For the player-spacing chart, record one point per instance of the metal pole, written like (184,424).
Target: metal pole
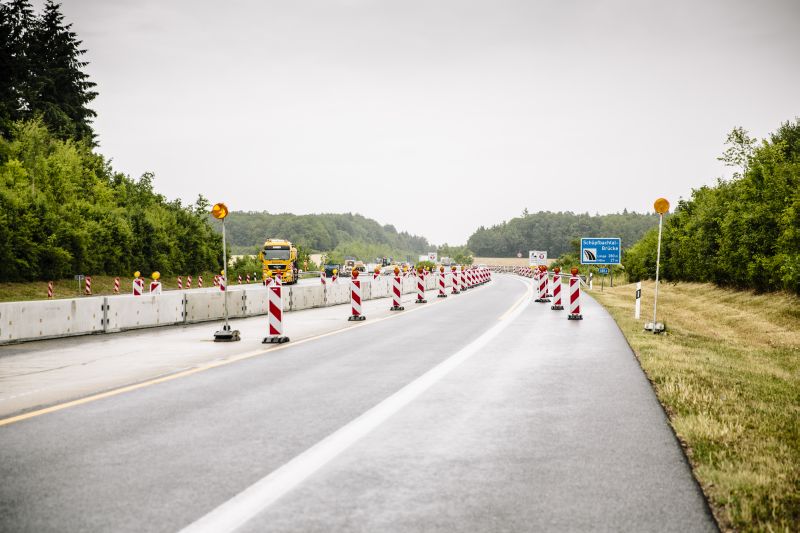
(225,273)
(658,264)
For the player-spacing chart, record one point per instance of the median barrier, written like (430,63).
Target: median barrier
(50,318)
(131,312)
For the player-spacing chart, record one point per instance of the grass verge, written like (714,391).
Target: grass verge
(728,374)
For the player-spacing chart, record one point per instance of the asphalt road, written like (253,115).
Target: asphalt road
(467,414)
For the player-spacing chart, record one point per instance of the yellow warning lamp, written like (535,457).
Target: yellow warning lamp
(557,270)
(420,270)
(155,275)
(377,270)
(137,274)
(661,206)
(354,273)
(219,211)
(574,271)
(441,269)
(221,272)
(335,271)
(427,269)
(396,271)
(453,268)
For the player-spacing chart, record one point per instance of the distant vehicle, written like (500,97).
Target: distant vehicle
(330,268)
(279,258)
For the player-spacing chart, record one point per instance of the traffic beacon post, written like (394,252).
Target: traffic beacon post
(226,334)
(661,206)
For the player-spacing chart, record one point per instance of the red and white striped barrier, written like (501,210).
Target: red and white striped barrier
(248,277)
(557,305)
(355,299)
(397,292)
(575,296)
(87,288)
(222,282)
(199,282)
(49,289)
(138,286)
(442,278)
(542,283)
(454,275)
(240,279)
(376,273)
(116,285)
(322,278)
(180,283)
(420,288)
(155,287)
(463,279)
(275,315)
(216,280)
(188,282)
(334,277)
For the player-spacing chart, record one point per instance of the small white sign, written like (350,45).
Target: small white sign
(537,257)
(432,256)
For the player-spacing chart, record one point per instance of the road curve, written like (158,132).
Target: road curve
(513,419)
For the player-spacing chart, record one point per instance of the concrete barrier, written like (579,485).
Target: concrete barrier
(24,321)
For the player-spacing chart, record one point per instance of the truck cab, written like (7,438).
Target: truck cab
(279,258)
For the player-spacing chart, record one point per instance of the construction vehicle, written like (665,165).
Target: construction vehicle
(279,258)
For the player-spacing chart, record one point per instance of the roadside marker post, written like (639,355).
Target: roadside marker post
(574,296)
(226,334)
(454,275)
(248,277)
(396,291)
(180,283)
(335,275)
(138,284)
(637,310)
(322,278)
(188,282)
(88,285)
(199,282)
(463,280)
(221,282)
(155,285)
(355,298)
(49,289)
(376,273)
(116,285)
(240,279)
(442,293)
(543,279)
(275,318)
(420,287)
(557,305)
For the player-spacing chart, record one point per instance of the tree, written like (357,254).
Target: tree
(739,151)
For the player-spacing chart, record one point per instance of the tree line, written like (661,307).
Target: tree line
(555,232)
(744,232)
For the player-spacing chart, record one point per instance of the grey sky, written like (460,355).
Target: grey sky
(435,116)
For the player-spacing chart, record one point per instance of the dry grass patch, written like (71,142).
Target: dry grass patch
(728,374)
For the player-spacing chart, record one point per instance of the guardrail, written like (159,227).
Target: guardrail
(46,319)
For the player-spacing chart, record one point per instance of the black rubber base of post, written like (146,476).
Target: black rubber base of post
(275,340)
(441,296)
(356,318)
(575,317)
(396,308)
(557,307)
(227,335)
(420,301)
(456,292)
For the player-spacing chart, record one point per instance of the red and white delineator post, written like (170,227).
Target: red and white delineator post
(222,283)
(454,276)
(116,285)
(216,280)
(575,296)
(463,280)
(49,289)
(138,285)
(334,276)
(397,291)
(442,278)
(275,315)
(155,286)
(199,282)
(322,279)
(355,298)
(420,287)
(376,273)
(87,290)
(247,278)
(188,282)
(180,283)
(240,279)
(542,284)
(557,305)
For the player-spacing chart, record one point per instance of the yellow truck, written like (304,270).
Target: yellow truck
(279,258)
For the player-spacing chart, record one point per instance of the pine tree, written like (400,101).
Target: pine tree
(16,21)
(60,91)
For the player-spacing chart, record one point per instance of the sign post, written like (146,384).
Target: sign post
(226,334)
(661,206)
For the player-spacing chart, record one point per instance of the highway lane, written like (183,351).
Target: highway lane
(549,422)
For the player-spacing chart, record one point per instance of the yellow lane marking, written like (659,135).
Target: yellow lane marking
(209,366)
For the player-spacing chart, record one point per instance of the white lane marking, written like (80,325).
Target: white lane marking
(247,504)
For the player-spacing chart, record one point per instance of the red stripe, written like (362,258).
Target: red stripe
(356,298)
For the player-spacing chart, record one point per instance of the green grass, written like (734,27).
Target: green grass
(728,374)
(101,285)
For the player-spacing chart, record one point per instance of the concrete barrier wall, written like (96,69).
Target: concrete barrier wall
(22,321)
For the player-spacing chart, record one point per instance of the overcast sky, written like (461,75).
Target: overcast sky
(435,116)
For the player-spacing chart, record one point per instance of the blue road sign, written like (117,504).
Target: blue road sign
(600,251)
(602,270)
